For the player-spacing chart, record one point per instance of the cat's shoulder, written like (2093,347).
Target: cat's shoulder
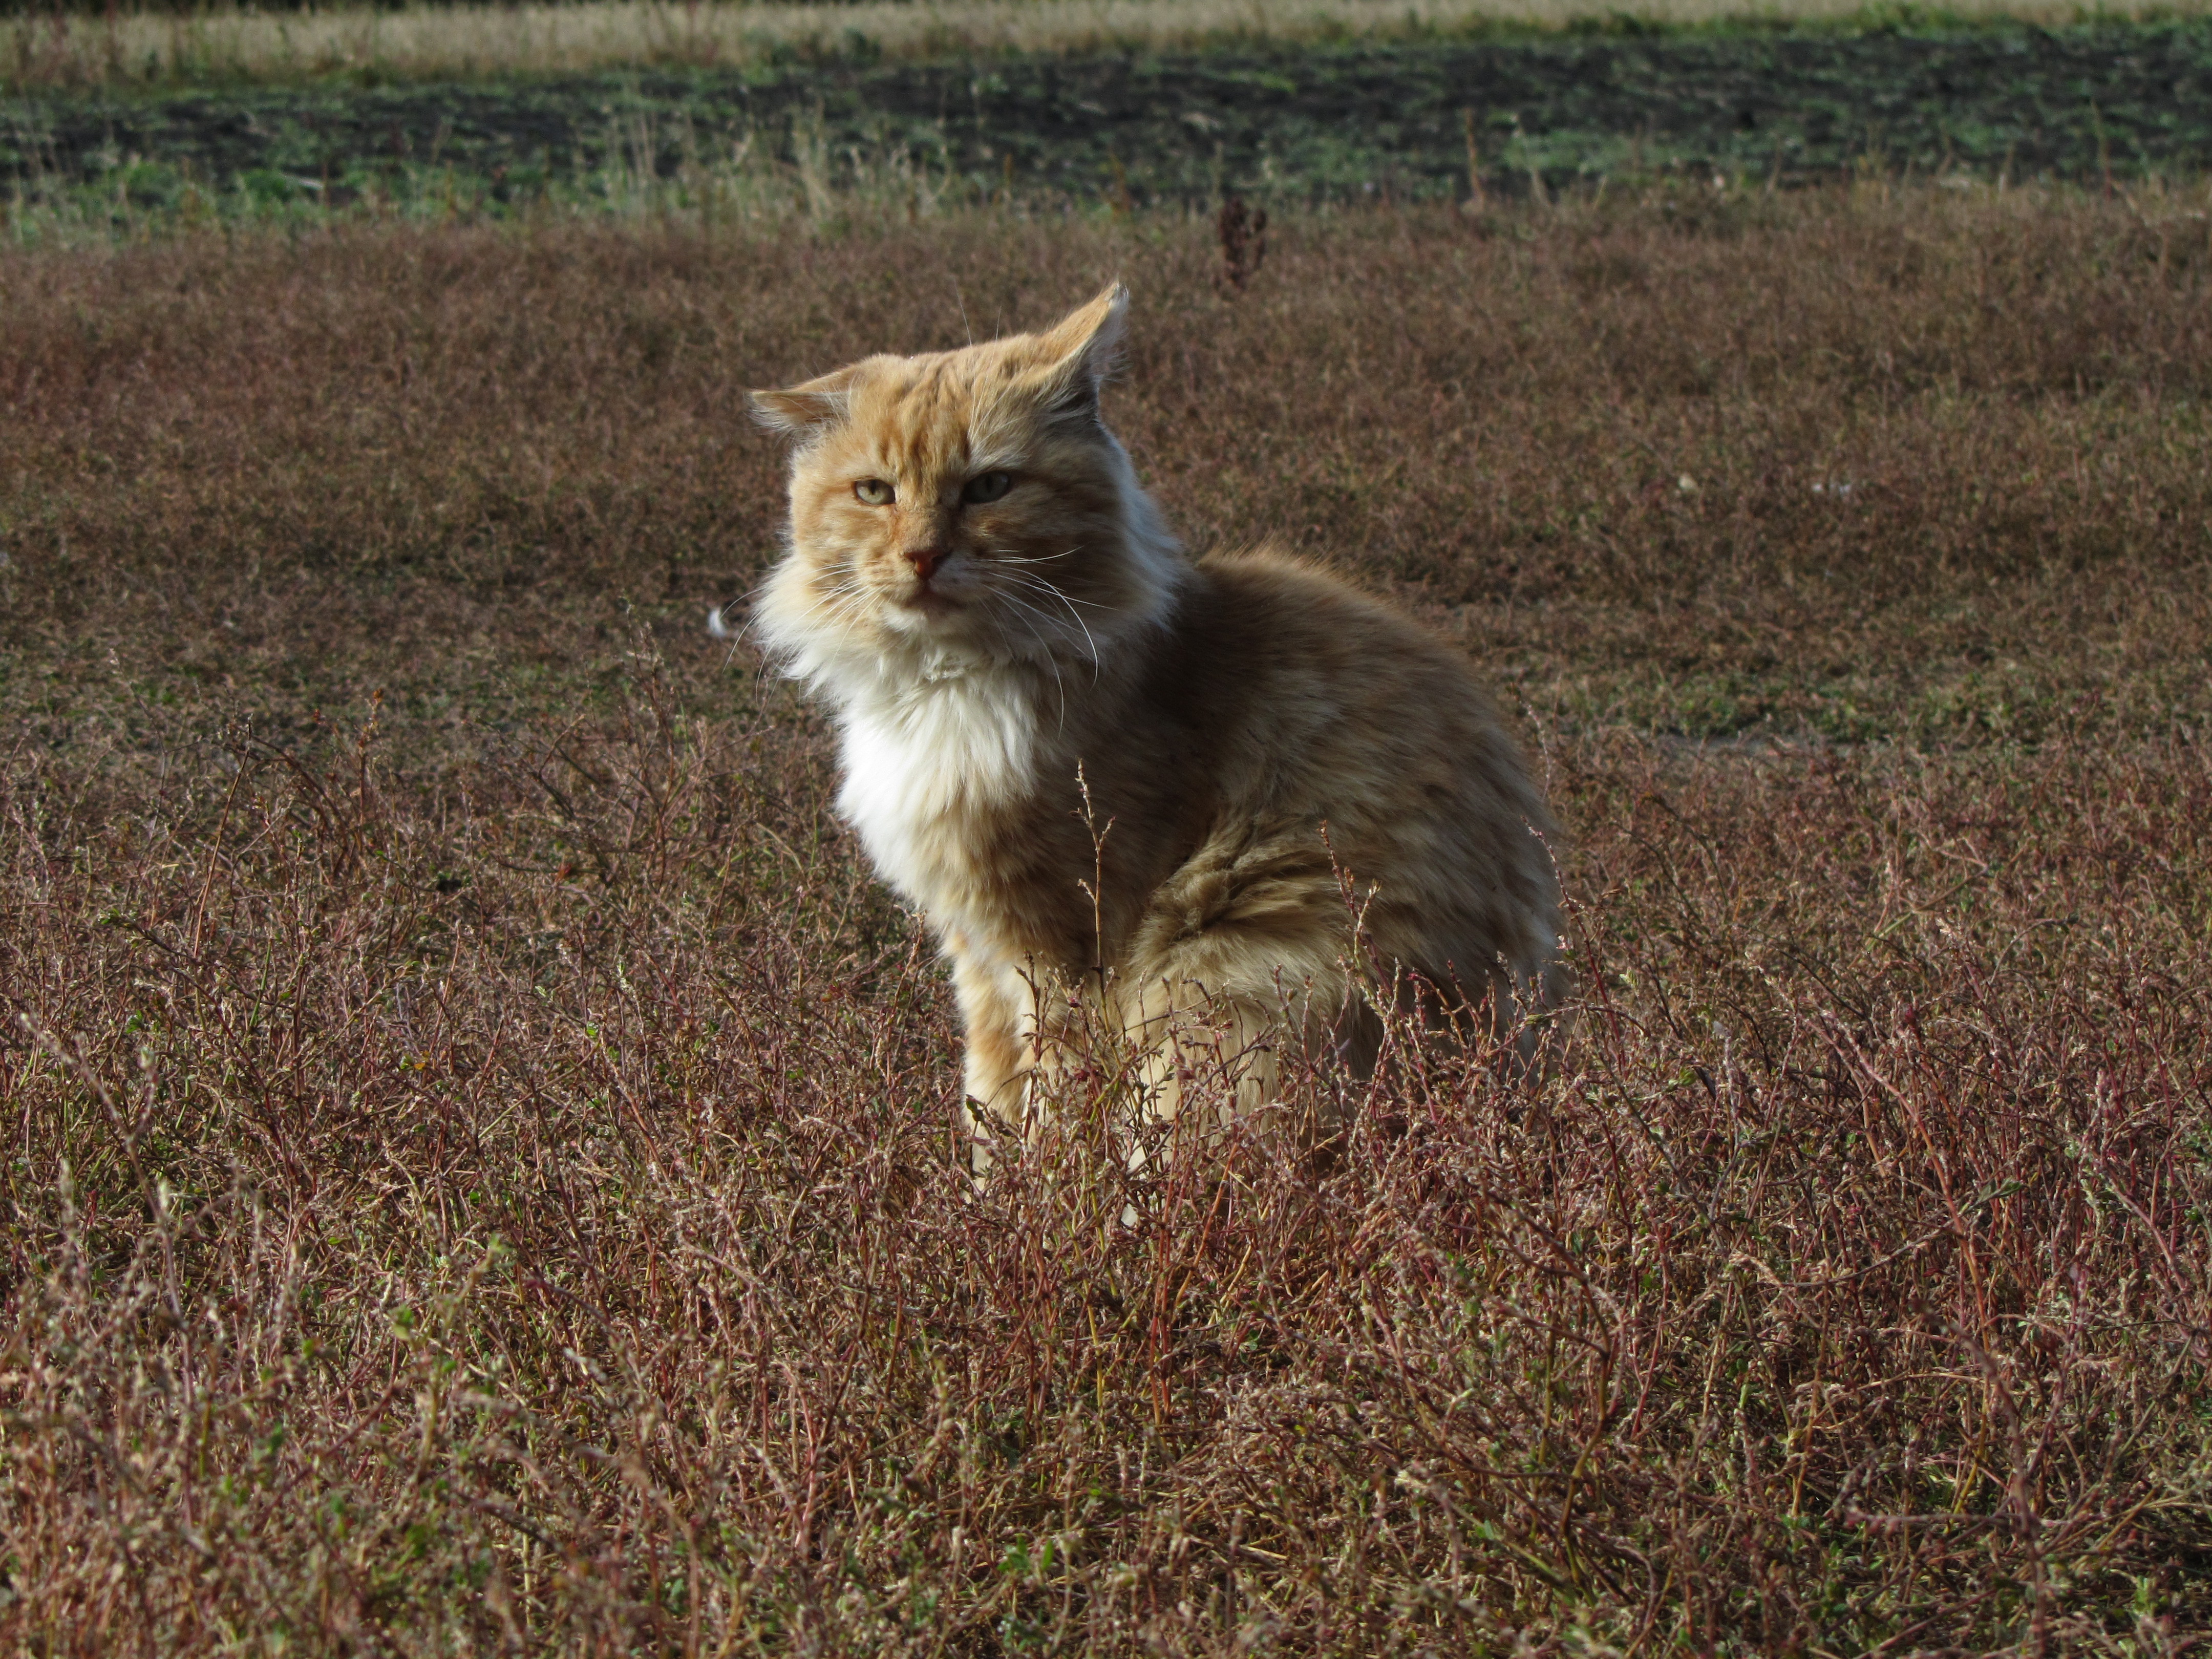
(1270,586)
(1264,566)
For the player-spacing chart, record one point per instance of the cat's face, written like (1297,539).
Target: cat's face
(969,499)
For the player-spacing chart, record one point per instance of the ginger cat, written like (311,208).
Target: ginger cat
(1001,621)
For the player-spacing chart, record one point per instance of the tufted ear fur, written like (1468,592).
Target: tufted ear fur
(1070,360)
(802,410)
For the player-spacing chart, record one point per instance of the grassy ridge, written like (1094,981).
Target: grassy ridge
(90,46)
(1285,125)
(476,1158)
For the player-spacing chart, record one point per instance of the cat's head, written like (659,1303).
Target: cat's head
(965,506)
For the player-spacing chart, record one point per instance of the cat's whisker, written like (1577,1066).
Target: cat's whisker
(1044,639)
(1051,558)
(1088,604)
(717,623)
(1039,582)
(850,589)
(1013,596)
(1060,686)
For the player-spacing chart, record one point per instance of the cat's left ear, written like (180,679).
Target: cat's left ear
(803,410)
(1078,353)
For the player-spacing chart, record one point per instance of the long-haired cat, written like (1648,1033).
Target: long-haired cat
(1120,780)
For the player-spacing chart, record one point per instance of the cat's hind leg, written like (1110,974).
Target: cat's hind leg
(1239,973)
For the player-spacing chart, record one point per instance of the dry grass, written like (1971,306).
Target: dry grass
(477,1139)
(420,40)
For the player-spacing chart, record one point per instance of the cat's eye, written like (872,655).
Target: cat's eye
(875,492)
(987,487)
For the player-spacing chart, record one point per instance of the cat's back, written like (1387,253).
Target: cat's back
(1314,703)
(1303,675)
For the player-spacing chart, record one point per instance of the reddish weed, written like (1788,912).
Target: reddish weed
(477,1158)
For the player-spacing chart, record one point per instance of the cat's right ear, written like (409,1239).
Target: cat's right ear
(1078,353)
(801,411)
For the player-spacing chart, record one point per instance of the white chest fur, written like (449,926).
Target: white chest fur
(928,764)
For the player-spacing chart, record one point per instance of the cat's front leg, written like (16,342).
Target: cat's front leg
(998,1056)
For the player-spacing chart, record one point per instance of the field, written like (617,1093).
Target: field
(476,1139)
(1435,114)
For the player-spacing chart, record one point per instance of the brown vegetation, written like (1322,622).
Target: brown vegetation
(476,1142)
(108,44)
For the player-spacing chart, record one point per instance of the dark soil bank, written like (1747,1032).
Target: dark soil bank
(1317,122)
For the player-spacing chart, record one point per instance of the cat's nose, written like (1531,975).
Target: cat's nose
(925,560)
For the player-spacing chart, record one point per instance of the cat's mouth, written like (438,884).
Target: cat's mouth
(927,601)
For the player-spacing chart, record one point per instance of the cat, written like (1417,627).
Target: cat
(1116,778)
